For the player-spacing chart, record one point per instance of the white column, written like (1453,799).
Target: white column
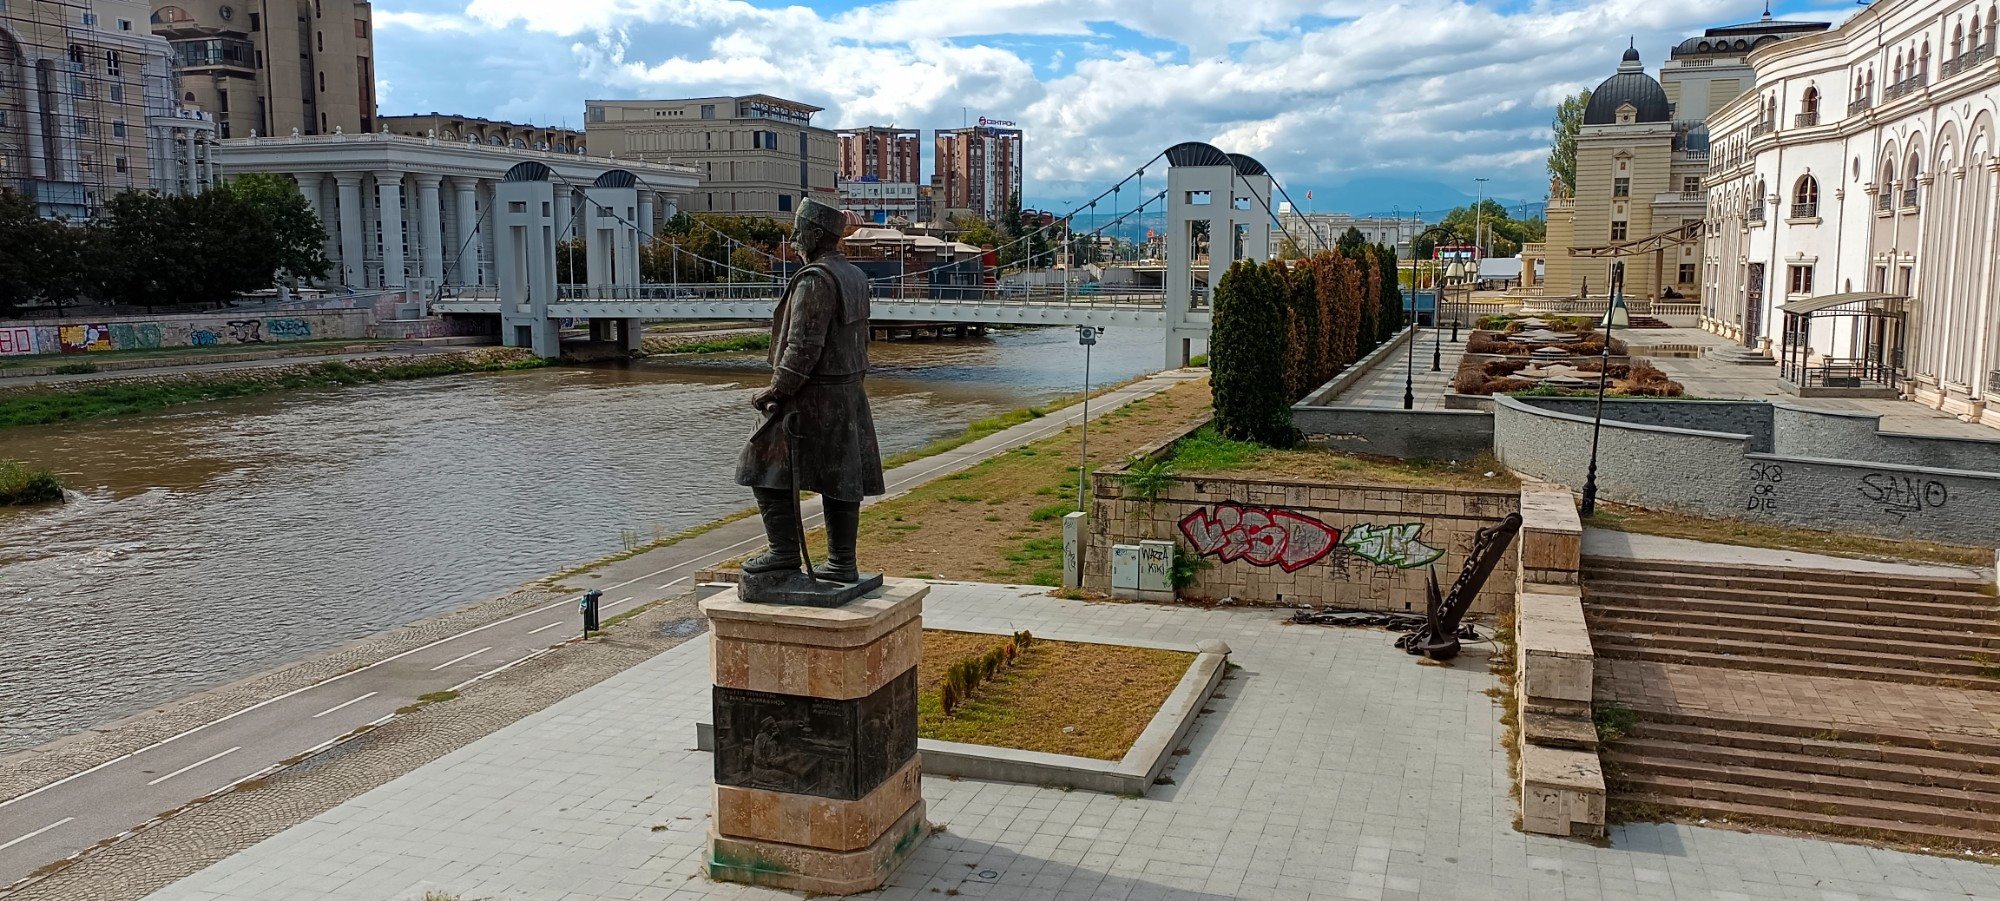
(352,249)
(389,197)
(462,247)
(645,217)
(309,187)
(170,172)
(489,238)
(429,211)
(195,164)
(38,165)
(565,213)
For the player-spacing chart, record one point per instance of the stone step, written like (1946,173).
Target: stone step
(1629,647)
(1599,595)
(1654,747)
(1797,596)
(1669,618)
(1930,645)
(1919,819)
(1977,587)
(1751,646)
(1982,805)
(1872,742)
(1938,837)
(1740,356)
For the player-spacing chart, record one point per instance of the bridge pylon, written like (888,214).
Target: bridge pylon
(1218,212)
(525,251)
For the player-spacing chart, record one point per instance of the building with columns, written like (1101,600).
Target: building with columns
(1854,207)
(398,209)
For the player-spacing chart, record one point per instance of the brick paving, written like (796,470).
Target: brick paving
(1842,704)
(1331,766)
(1383,388)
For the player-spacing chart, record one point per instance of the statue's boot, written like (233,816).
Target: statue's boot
(781,529)
(843,522)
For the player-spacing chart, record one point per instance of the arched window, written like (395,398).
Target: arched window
(1857,87)
(1885,193)
(1771,111)
(1809,107)
(1899,68)
(1757,203)
(1992,24)
(1870,92)
(495,140)
(1958,38)
(1910,171)
(1805,198)
(1924,61)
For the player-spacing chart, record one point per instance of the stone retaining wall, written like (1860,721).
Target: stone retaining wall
(1711,473)
(1562,779)
(84,336)
(1406,434)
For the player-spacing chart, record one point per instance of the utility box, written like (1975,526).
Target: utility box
(1156,571)
(1125,570)
(1074,534)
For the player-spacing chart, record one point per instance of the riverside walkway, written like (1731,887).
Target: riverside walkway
(62,799)
(1330,765)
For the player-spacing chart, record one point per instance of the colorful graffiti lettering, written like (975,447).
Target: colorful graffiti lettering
(78,339)
(1764,479)
(1395,545)
(127,336)
(202,337)
(16,341)
(247,331)
(291,329)
(1262,536)
(1901,496)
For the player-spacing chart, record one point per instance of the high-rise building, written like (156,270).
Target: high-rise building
(889,155)
(272,66)
(757,154)
(87,107)
(978,168)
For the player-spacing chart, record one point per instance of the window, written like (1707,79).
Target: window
(1687,274)
(1197,198)
(82,126)
(76,54)
(121,164)
(1805,198)
(117,93)
(322,82)
(596,114)
(361,29)
(784,203)
(256,21)
(1691,184)
(319,42)
(1621,187)
(124,24)
(89,19)
(708,111)
(111,63)
(1618,230)
(117,129)
(260,59)
(1801,279)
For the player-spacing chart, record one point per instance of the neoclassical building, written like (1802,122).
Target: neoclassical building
(399,208)
(1853,224)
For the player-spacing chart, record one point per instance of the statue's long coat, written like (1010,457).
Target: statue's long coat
(819,354)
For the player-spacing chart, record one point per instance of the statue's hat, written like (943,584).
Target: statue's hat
(826,217)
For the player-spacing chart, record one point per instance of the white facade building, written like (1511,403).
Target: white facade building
(1313,231)
(879,201)
(434,200)
(1860,179)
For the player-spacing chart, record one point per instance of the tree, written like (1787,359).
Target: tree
(572,262)
(1351,240)
(1246,354)
(299,233)
(1568,124)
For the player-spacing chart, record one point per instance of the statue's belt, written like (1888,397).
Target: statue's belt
(821,378)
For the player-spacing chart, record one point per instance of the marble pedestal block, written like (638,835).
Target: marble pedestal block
(817,783)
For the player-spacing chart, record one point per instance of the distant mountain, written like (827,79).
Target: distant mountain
(1382,195)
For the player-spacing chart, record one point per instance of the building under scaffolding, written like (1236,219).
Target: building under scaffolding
(89,108)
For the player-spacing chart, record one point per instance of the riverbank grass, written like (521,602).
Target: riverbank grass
(81,401)
(734,344)
(1058,697)
(22,485)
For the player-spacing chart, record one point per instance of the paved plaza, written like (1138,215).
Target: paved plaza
(1383,387)
(1331,766)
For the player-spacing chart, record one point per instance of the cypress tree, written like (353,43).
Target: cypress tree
(1246,356)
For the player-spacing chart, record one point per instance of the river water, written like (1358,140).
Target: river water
(207,543)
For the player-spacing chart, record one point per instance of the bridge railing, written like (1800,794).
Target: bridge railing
(1120,296)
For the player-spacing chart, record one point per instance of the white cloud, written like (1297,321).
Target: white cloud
(1321,92)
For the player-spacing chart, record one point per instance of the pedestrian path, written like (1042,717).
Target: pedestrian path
(1330,766)
(1383,387)
(1634,546)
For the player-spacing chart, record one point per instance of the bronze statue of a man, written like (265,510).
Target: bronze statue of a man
(817,434)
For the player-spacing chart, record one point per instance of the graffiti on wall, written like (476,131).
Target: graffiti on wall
(247,331)
(1265,537)
(78,339)
(1394,545)
(202,337)
(288,329)
(1764,481)
(135,336)
(16,341)
(1901,496)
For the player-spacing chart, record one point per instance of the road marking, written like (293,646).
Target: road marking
(505,666)
(615,603)
(460,659)
(547,627)
(344,704)
(35,833)
(196,764)
(671,584)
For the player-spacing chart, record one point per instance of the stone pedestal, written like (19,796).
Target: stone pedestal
(816,769)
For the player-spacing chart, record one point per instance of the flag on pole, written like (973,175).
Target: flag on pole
(1309,195)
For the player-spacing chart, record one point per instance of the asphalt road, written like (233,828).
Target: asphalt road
(68,816)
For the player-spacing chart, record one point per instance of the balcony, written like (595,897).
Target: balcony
(1762,127)
(1805,210)
(1757,213)
(1861,104)
(1805,120)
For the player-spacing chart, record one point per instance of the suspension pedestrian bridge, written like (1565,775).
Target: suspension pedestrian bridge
(1217,210)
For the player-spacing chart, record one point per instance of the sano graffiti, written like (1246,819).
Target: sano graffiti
(1395,545)
(1901,496)
(1262,536)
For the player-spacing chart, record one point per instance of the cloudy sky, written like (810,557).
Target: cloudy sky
(1366,103)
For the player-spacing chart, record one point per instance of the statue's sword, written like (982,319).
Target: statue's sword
(798,499)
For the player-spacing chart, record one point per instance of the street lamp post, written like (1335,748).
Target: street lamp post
(1087,336)
(1614,310)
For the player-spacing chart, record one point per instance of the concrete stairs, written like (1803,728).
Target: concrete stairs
(1879,717)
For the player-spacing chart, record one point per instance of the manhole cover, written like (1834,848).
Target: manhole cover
(681,628)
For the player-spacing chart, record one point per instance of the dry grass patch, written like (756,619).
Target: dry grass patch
(1320,465)
(1622,518)
(1104,694)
